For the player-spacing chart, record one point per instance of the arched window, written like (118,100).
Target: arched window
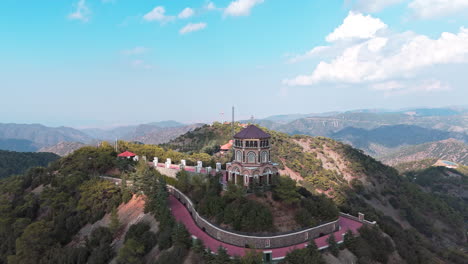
(239,156)
(264,157)
(251,157)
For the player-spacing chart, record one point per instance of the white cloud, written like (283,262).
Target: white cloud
(356,26)
(158,14)
(135,51)
(210,6)
(309,54)
(386,57)
(186,13)
(241,7)
(82,12)
(371,6)
(436,8)
(191,27)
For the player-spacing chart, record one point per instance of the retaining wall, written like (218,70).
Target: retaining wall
(259,242)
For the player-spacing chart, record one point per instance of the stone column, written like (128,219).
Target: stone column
(218,167)
(168,163)
(183,163)
(155,161)
(208,170)
(361,217)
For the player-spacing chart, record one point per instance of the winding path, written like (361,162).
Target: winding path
(181,214)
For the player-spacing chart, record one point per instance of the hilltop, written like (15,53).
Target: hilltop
(357,183)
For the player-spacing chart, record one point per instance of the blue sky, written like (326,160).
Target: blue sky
(88,63)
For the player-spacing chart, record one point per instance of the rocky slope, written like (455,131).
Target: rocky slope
(63,148)
(450,149)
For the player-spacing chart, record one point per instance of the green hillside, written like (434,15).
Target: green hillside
(47,207)
(18,162)
(359,183)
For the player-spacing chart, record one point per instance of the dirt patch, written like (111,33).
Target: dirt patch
(283,215)
(129,214)
(292,174)
(38,190)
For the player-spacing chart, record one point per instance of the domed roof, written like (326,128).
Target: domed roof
(252,132)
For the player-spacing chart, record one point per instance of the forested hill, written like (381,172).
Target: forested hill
(18,162)
(358,183)
(207,138)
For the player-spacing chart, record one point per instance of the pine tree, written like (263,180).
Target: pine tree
(332,245)
(114,224)
(181,236)
(349,241)
(221,256)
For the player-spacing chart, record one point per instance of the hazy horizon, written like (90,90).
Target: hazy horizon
(109,124)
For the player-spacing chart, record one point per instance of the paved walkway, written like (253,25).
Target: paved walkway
(181,214)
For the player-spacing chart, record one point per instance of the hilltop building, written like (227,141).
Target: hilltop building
(226,147)
(126,154)
(251,160)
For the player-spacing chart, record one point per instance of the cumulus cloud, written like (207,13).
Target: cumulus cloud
(82,12)
(191,27)
(378,59)
(356,26)
(186,13)
(241,7)
(436,8)
(158,14)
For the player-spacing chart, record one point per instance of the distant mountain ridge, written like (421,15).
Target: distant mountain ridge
(62,148)
(38,136)
(451,119)
(449,149)
(151,133)
(382,140)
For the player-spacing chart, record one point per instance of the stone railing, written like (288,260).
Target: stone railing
(259,242)
(358,219)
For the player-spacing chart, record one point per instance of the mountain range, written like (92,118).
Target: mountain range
(36,137)
(378,132)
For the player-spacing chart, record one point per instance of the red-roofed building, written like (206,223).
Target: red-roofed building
(226,147)
(126,154)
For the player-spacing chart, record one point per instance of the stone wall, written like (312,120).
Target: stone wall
(259,242)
